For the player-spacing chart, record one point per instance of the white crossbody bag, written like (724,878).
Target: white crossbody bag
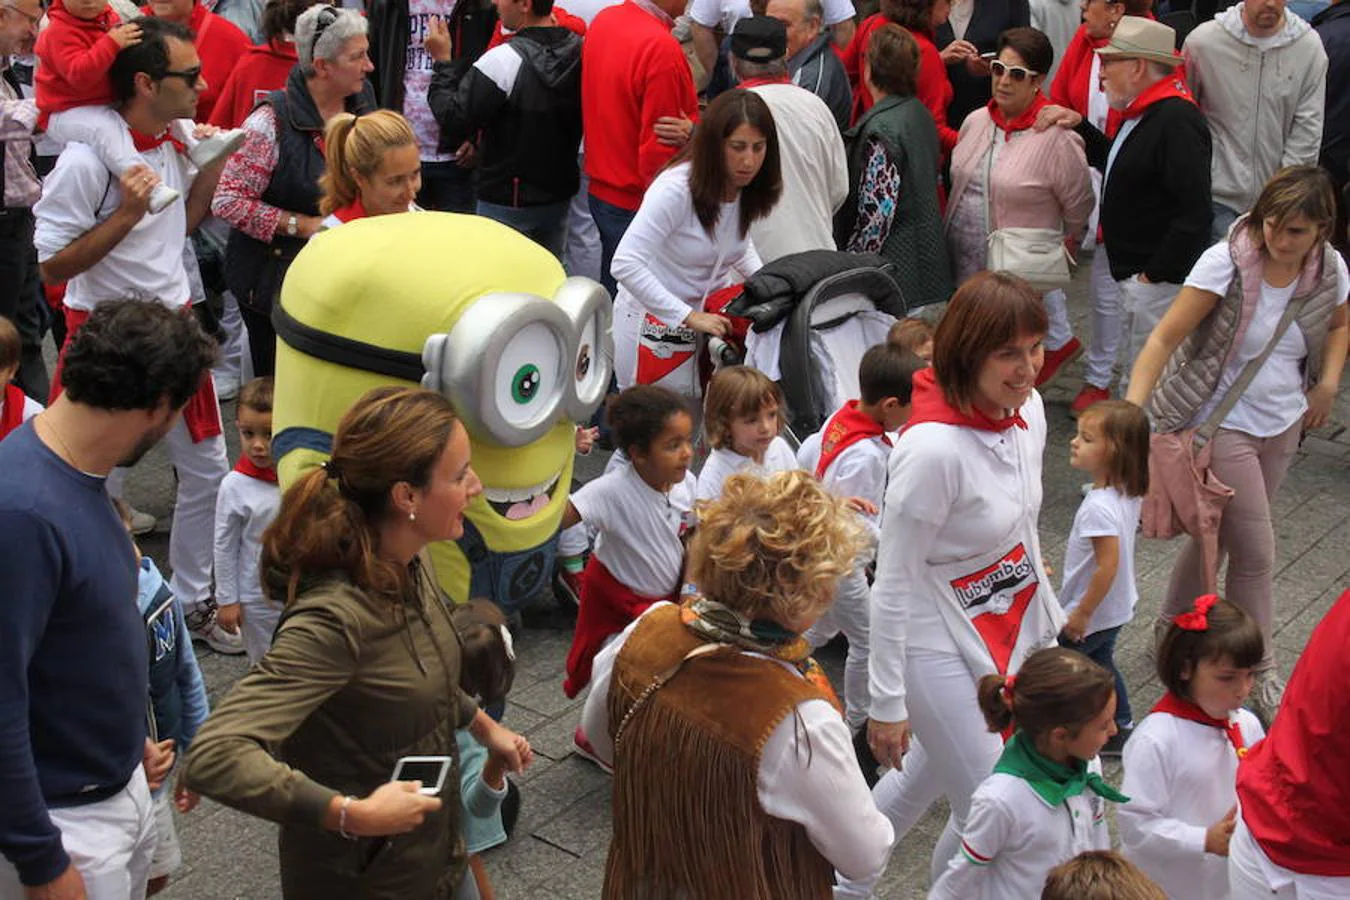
(1037,255)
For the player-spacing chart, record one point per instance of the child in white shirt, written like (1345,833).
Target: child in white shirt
(1099,592)
(641,513)
(1045,802)
(849,457)
(247,503)
(1181,764)
(742,417)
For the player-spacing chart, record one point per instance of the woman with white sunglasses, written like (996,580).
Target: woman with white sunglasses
(1007,175)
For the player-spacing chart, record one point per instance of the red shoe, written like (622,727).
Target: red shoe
(583,748)
(1056,360)
(1086,397)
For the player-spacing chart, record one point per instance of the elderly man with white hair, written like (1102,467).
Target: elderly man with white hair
(812,62)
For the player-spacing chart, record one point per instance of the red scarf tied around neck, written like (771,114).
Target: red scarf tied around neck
(246,466)
(844,429)
(1021,122)
(1171,86)
(1191,712)
(144,142)
(930,405)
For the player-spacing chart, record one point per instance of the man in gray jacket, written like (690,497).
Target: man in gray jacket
(1258,72)
(811,60)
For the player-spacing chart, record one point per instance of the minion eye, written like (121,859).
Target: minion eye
(588,306)
(525,384)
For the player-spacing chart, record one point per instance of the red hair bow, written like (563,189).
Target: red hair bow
(1198,618)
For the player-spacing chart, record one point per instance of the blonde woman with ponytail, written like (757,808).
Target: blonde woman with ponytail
(373,167)
(364,667)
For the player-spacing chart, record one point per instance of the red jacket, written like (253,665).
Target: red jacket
(934,88)
(220,44)
(1294,787)
(561,17)
(632,73)
(74,56)
(263,69)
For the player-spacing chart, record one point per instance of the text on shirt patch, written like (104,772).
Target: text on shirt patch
(996,598)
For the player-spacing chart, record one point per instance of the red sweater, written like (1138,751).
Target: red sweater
(220,44)
(1294,787)
(934,89)
(263,69)
(74,56)
(632,73)
(562,17)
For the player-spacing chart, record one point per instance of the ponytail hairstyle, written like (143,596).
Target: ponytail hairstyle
(357,145)
(330,518)
(1126,431)
(1213,630)
(1055,688)
(488,654)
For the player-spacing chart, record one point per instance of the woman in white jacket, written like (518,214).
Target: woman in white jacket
(690,235)
(960,590)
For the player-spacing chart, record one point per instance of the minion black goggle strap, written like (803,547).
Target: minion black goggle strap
(513,365)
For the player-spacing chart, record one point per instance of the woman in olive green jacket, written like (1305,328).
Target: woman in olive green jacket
(363,669)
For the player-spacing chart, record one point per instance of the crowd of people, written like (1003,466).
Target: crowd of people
(163,168)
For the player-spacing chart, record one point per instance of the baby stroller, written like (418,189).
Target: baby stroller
(813,315)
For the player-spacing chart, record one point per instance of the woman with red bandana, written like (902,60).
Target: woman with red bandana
(960,589)
(373,167)
(1005,175)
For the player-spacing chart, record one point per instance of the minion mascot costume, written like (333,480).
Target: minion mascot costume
(472,309)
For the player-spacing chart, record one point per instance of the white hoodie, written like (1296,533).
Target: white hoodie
(1264,99)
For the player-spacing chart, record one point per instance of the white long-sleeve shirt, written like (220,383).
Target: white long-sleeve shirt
(245,507)
(667,263)
(808,774)
(1181,778)
(858,471)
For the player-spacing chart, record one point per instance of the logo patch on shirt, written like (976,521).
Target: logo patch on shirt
(996,600)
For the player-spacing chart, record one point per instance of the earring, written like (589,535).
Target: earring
(412,517)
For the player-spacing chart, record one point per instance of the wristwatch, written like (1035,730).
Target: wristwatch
(292,226)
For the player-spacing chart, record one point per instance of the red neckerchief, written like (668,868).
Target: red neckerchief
(1022,122)
(146,142)
(755,82)
(1185,709)
(246,466)
(846,427)
(1171,86)
(931,406)
(353,210)
(12,416)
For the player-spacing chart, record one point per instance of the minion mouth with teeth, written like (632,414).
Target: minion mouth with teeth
(472,309)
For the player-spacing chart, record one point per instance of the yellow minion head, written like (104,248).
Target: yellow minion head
(470,308)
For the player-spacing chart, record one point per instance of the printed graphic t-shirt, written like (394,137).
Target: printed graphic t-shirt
(417,76)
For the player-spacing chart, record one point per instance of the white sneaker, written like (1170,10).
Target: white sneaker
(227,388)
(221,144)
(229,643)
(161,196)
(141,522)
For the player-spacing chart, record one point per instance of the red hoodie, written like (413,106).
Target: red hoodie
(934,88)
(633,72)
(220,44)
(561,17)
(263,69)
(74,56)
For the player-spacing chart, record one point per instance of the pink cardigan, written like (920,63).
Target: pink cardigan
(1040,180)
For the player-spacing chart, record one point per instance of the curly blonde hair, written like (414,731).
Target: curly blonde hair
(773,547)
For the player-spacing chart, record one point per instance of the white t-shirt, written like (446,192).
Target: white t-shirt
(147,264)
(1104,512)
(1013,838)
(711,13)
(1274,400)
(725,462)
(1181,778)
(808,774)
(245,507)
(639,528)
(417,76)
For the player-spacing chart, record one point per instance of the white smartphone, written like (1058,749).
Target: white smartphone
(989,55)
(430,770)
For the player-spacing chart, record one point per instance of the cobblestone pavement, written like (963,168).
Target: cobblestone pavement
(558,850)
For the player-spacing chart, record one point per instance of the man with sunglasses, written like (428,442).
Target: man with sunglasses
(93,233)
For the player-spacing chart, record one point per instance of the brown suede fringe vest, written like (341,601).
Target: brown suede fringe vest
(687,820)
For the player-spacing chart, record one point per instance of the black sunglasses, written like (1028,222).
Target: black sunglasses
(1018,73)
(189,76)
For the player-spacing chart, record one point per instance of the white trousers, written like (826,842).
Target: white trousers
(1104,345)
(850,613)
(582,256)
(952,753)
(1253,876)
(199,468)
(110,843)
(260,622)
(1057,308)
(1142,307)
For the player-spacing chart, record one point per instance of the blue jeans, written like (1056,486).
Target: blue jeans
(545,225)
(1224,217)
(1100,647)
(611,221)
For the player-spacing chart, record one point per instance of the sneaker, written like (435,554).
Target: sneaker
(142,523)
(1115,745)
(1056,360)
(203,627)
(1266,696)
(222,143)
(161,196)
(582,746)
(1089,395)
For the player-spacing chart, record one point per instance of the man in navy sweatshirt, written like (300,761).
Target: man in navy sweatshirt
(76,818)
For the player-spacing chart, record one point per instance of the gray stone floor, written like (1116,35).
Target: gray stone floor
(558,850)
